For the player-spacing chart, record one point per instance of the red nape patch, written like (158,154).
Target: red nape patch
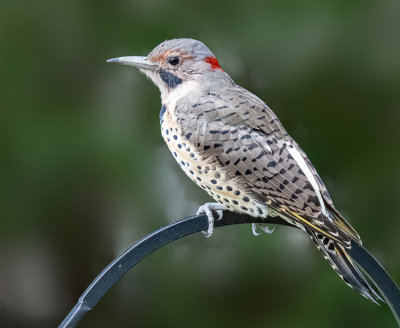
(214,63)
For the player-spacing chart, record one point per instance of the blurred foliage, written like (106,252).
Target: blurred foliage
(84,172)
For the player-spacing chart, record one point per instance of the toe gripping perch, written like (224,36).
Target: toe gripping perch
(163,236)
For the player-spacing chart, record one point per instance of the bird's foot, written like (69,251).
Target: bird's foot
(208,209)
(263,227)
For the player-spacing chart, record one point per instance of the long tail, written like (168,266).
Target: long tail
(341,262)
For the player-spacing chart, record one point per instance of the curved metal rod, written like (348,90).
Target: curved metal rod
(124,262)
(382,280)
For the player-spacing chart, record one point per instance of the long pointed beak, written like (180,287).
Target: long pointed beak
(137,61)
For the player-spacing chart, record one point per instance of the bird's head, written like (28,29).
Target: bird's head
(177,63)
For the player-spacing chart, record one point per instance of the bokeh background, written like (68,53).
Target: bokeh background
(84,172)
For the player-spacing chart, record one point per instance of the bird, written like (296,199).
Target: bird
(232,145)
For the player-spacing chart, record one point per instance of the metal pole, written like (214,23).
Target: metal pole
(163,236)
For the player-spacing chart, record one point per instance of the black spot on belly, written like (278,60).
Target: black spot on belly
(169,79)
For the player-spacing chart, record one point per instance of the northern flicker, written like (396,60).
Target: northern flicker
(231,144)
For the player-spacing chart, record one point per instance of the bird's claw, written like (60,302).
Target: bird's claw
(208,209)
(263,227)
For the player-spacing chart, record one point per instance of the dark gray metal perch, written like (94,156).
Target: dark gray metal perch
(124,262)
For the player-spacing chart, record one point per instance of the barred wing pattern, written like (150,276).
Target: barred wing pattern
(248,140)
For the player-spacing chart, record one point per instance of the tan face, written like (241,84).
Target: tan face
(174,62)
(170,59)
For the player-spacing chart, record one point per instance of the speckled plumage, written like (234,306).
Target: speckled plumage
(231,144)
(234,132)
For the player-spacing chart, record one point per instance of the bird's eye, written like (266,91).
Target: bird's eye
(173,60)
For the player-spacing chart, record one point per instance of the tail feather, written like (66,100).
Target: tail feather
(341,262)
(341,222)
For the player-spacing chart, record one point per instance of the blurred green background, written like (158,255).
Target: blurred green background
(84,172)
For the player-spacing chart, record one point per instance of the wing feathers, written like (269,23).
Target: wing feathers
(245,136)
